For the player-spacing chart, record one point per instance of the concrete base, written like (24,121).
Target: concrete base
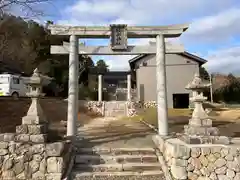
(200,161)
(205,139)
(201,130)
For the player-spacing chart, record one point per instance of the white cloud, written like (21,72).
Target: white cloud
(141,11)
(103,8)
(214,24)
(224,60)
(216,28)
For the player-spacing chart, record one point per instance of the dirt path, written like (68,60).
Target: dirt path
(111,132)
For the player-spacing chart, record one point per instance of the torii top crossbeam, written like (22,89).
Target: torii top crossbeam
(170,31)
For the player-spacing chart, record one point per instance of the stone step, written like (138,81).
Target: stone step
(112,135)
(106,129)
(115,110)
(119,107)
(145,175)
(116,151)
(133,167)
(119,115)
(106,159)
(95,126)
(111,106)
(122,114)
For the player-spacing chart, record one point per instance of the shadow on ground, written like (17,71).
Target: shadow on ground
(119,134)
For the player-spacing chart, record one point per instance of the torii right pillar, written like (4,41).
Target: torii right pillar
(162,107)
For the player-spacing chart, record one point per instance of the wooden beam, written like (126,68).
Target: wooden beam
(106,50)
(133,31)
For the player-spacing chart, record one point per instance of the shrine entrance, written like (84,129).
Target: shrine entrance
(118,35)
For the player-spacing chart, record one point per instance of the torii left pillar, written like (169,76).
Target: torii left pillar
(100,88)
(73,87)
(162,107)
(128,87)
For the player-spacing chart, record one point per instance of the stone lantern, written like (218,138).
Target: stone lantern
(197,86)
(35,83)
(199,129)
(34,124)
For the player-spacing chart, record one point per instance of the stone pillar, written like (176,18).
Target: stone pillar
(100,87)
(128,87)
(73,87)
(162,107)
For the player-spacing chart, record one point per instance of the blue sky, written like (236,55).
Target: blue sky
(214,31)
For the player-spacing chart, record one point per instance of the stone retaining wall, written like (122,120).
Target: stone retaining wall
(200,161)
(130,108)
(149,104)
(26,160)
(93,106)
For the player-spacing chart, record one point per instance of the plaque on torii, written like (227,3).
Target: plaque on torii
(118,37)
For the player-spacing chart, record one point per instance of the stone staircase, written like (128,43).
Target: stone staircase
(115,108)
(116,164)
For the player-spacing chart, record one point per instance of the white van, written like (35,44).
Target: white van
(13,85)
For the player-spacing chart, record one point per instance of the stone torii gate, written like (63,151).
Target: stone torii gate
(118,35)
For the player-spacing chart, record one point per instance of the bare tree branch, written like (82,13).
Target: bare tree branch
(27,6)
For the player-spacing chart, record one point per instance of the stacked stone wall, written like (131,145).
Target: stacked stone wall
(31,160)
(200,161)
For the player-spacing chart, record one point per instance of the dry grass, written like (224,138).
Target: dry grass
(150,115)
(226,119)
(11,114)
(231,114)
(179,112)
(217,113)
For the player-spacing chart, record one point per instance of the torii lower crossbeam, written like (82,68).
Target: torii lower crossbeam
(106,50)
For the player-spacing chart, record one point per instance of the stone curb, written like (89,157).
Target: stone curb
(113,150)
(165,169)
(70,167)
(119,167)
(149,125)
(102,174)
(161,160)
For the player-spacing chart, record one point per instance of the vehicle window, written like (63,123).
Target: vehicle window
(15,80)
(4,80)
